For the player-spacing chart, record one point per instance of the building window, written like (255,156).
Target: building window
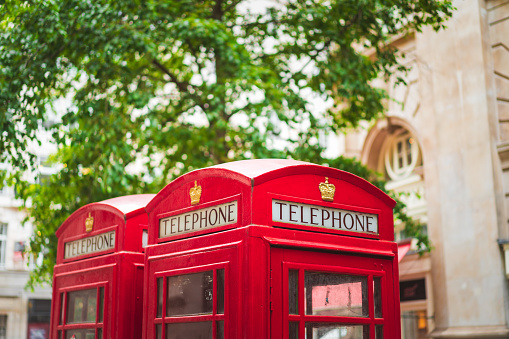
(39,311)
(414,325)
(3,244)
(402,155)
(3,326)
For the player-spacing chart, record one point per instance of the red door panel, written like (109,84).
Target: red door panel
(318,295)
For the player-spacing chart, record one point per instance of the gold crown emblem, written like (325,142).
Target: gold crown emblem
(195,194)
(89,223)
(327,190)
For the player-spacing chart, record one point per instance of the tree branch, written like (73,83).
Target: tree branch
(182,86)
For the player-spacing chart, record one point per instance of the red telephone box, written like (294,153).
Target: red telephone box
(271,249)
(98,278)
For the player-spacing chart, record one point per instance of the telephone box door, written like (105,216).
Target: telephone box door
(190,295)
(317,295)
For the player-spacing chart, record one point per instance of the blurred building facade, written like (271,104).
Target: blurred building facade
(23,313)
(445,144)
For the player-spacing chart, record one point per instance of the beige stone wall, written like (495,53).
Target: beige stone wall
(457,105)
(459,142)
(498,20)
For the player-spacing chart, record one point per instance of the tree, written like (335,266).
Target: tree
(160,87)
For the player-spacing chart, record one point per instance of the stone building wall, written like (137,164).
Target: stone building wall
(455,106)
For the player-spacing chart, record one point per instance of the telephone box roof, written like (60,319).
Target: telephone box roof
(125,207)
(255,172)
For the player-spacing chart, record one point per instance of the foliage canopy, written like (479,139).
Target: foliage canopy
(156,88)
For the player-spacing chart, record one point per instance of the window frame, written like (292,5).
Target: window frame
(393,156)
(285,259)
(302,318)
(3,244)
(214,317)
(63,304)
(3,326)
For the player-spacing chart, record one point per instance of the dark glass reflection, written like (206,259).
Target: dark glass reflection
(195,330)
(190,294)
(320,330)
(220,291)
(82,306)
(293,291)
(377,296)
(293,330)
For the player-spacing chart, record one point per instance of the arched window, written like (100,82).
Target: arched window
(402,155)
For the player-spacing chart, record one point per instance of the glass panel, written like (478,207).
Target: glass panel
(293,291)
(409,142)
(189,294)
(62,308)
(330,294)
(3,326)
(377,296)
(379,332)
(159,297)
(158,331)
(99,333)
(293,330)
(88,333)
(82,306)
(414,324)
(200,330)
(101,304)
(220,291)
(336,331)
(220,329)
(59,335)
(144,239)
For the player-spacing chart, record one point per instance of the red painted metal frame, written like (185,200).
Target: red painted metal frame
(249,251)
(118,270)
(65,290)
(214,317)
(285,259)
(250,247)
(164,262)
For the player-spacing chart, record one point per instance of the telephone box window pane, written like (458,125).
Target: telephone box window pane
(195,330)
(377,296)
(326,331)
(159,297)
(99,333)
(293,291)
(190,294)
(379,332)
(82,306)
(158,331)
(101,304)
(293,330)
(220,329)
(88,333)
(330,294)
(62,308)
(220,291)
